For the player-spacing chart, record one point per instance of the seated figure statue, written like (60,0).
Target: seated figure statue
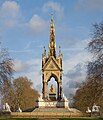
(52,89)
(6,107)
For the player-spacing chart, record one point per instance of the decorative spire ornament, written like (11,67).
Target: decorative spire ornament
(52,43)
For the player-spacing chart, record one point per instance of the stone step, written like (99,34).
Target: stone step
(51,110)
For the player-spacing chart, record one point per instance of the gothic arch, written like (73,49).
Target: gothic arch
(54,76)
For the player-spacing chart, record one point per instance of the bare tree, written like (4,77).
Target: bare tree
(20,93)
(6,70)
(91,91)
(96,43)
(96,47)
(6,66)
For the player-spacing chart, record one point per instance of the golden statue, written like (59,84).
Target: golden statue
(52,89)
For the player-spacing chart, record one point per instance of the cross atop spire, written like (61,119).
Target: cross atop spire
(52,43)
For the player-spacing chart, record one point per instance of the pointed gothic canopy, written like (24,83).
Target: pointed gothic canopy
(52,65)
(52,43)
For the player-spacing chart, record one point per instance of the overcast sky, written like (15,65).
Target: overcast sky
(24,31)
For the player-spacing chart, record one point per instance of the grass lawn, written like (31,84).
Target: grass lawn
(81,119)
(18,118)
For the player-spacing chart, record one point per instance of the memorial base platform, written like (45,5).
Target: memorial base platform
(52,104)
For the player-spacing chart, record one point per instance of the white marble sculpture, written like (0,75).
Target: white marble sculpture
(6,107)
(3,108)
(64,98)
(95,108)
(40,98)
(88,110)
(19,110)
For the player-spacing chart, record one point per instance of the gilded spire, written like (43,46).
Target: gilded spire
(52,43)
(52,34)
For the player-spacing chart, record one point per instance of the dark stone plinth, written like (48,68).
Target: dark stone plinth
(52,96)
(95,114)
(5,114)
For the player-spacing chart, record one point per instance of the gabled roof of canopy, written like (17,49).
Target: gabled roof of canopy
(51,58)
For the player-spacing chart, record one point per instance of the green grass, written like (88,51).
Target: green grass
(81,119)
(18,118)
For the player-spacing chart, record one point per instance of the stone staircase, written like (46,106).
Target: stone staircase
(51,110)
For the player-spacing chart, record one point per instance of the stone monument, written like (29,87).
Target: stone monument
(6,108)
(52,68)
(94,111)
(19,110)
